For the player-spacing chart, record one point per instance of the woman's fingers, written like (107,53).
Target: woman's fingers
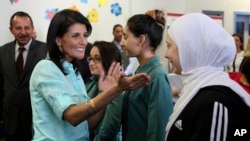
(134,82)
(116,71)
(101,71)
(139,81)
(112,68)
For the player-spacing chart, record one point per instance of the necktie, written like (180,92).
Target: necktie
(19,62)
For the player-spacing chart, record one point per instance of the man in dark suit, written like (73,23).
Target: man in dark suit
(14,88)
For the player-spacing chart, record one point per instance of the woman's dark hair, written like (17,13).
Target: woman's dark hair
(245,68)
(241,39)
(57,28)
(150,24)
(108,53)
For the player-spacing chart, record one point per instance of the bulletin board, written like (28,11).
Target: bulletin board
(172,16)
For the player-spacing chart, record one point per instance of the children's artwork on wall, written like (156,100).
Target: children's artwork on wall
(116,9)
(99,12)
(84,1)
(102,2)
(13,1)
(49,14)
(102,14)
(93,15)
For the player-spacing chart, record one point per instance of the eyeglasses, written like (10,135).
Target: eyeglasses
(95,59)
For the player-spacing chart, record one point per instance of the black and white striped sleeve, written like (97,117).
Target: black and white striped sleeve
(219,125)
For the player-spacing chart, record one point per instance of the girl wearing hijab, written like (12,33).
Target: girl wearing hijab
(211,105)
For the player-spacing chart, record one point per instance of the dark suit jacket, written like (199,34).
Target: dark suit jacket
(125,58)
(17,111)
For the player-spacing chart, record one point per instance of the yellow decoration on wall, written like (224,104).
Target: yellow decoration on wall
(102,2)
(93,15)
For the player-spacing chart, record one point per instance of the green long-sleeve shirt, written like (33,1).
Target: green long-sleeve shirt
(149,108)
(110,125)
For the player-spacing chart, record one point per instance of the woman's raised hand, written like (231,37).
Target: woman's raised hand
(115,75)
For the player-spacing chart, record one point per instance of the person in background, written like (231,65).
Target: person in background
(235,64)
(17,60)
(103,54)
(244,79)
(62,110)
(245,66)
(211,105)
(146,111)
(243,76)
(1,112)
(128,63)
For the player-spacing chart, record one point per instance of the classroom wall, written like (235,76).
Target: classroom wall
(102,28)
(228,6)
(102,21)
(99,12)
(102,18)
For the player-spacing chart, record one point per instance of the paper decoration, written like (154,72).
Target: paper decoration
(14,1)
(93,15)
(116,9)
(50,13)
(102,2)
(84,1)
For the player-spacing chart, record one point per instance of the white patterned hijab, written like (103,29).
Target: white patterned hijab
(204,47)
